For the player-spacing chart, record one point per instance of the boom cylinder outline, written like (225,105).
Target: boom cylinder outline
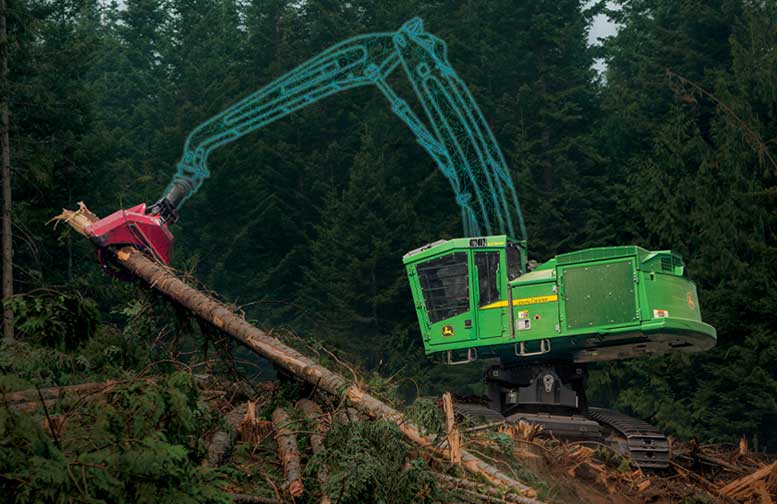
(459,139)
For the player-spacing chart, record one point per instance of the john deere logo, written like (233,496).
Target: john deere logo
(447,330)
(691,302)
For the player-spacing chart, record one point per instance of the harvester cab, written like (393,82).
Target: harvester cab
(474,297)
(460,289)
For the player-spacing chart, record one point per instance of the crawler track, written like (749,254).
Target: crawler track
(476,413)
(646,446)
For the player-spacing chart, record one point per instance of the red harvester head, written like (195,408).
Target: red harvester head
(133,226)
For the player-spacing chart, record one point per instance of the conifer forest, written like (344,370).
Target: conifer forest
(279,357)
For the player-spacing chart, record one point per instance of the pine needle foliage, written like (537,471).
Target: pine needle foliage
(427,415)
(367,462)
(138,445)
(58,319)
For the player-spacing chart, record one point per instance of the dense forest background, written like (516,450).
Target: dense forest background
(304,224)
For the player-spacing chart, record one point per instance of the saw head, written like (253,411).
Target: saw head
(132,226)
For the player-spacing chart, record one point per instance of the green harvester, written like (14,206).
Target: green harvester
(478,298)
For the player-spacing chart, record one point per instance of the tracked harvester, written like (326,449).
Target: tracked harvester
(476,300)
(475,297)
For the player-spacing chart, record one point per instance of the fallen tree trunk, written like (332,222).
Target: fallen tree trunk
(346,415)
(163,279)
(288,452)
(481,489)
(313,413)
(251,499)
(54,393)
(26,401)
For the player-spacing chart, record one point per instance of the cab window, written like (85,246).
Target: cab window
(445,286)
(513,261)
(487,264)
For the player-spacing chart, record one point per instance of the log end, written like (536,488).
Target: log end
(77,219)
(296,488)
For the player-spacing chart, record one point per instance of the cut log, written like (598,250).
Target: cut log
(313,413)
(163,279)
(745,486)
(454,437)
(345,415)
(482,489)
(29,407)
(251,499)
(288,452)
(54,393)
(222,440)
(251,430)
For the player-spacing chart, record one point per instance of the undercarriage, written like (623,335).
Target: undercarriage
(553,395)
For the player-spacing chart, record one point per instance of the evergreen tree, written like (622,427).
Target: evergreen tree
(354,286)
(701,186)
(52,115)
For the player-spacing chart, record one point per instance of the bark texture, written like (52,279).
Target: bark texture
(251,430)
(454,437)
(483,489)
(163,279)
(54,393)
(221,443)
(288,452)
(313,413)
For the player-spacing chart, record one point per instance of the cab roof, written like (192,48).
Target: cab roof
(442,246)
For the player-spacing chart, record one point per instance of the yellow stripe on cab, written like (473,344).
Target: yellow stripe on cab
(522,301)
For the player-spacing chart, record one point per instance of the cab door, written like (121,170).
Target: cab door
(445,288)
(490,304)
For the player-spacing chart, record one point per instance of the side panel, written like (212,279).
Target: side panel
(536,311)
(670,296)
(599,295)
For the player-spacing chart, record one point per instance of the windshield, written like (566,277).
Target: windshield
(445,286)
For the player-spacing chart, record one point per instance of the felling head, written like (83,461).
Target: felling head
(133,227)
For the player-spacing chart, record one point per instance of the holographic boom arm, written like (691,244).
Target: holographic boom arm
(459,140)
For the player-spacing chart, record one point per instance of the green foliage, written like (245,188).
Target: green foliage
(504,442)
(427,416)
(138,445)
(60,342)
(365,462)
(60,320)
(355,278)
(106,355)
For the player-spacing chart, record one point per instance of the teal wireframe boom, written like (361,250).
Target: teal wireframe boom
(459,139)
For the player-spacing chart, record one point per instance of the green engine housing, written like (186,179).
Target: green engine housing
(475,298)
